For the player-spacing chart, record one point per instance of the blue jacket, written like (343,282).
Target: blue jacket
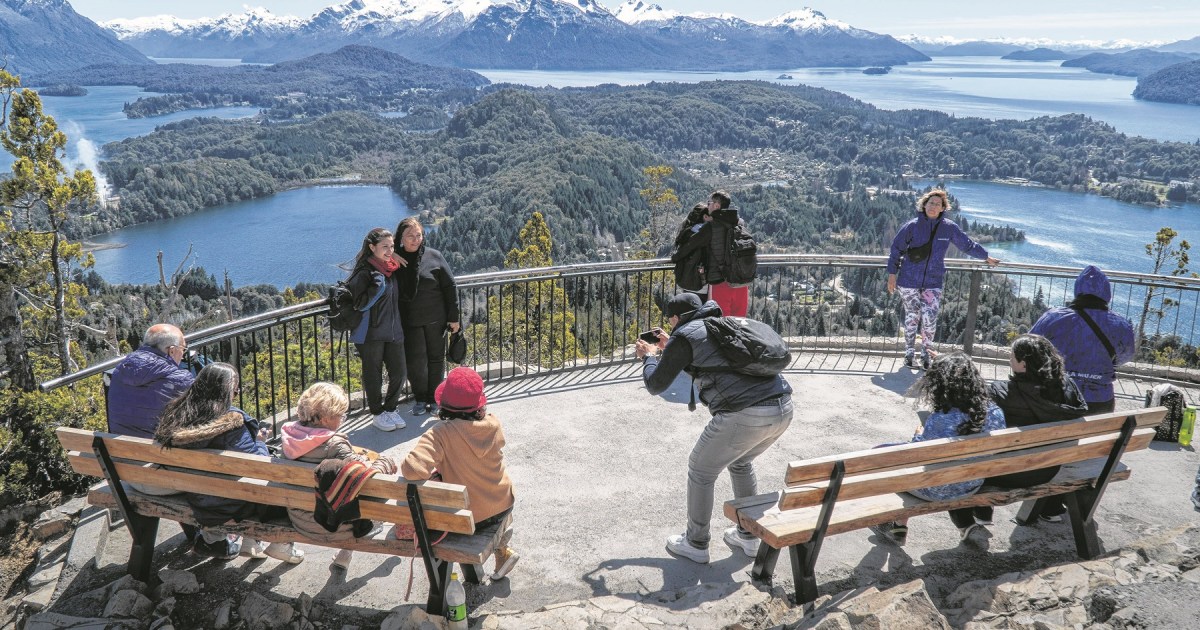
(944,425)
(1087,361)
(141,386)
(928,273)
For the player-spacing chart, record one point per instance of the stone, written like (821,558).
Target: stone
(162,623)
(129,604)
(260,613)
(165,607)
(1192,576)
(412,618)
(304,604)
(45,575)
(41,598)
(73,508)
(904,606)
(50,524)
(836,620)
(175,582)
(57,621)
(221,620)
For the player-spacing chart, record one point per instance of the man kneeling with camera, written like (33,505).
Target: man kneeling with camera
(751,407)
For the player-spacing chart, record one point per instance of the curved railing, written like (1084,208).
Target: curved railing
(519,322)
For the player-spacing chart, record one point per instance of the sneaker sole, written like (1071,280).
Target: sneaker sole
(685,556)
(389,428)
(738,545)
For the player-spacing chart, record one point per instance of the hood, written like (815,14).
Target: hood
(300,439)
(145,365)
(1092,281)
(203,433)
(708,309)
(481,436)
(1044,404)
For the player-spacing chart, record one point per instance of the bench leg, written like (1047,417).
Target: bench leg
(1087,545)
(472,573)
(438,580)
(144,530)
(764,563)
(805,578)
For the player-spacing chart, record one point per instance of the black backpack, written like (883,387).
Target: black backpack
(750,346)
(743,256)
(343,316)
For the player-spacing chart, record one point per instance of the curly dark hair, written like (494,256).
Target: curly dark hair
(473,416)
(953,382)
(1042,361)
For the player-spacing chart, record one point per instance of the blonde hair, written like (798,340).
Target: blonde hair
(321,400)
(936,192)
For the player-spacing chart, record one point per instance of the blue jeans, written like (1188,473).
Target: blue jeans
(731,441)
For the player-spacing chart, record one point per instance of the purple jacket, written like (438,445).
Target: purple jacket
(928,273)
(1087,361)
(141,386)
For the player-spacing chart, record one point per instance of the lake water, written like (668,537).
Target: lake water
(299,235)
(988,87)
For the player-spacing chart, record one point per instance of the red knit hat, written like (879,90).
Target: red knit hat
(461,392)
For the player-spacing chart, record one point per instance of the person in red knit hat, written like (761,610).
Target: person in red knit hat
(466,447)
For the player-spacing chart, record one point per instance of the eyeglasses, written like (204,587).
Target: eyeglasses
(182,348)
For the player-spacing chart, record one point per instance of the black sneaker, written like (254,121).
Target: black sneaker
(223,549)
(925,361)
(910,361)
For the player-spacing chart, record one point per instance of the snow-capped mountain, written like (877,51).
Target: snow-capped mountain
(39,36)
(565,34)
(944,45)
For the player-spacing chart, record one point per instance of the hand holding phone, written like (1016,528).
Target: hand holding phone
(651,336)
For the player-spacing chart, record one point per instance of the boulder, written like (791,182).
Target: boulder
(129,604)
(56,621)
(50,524)
(222,619)
(904,606)
(412,618)
(176,583)
(260,613)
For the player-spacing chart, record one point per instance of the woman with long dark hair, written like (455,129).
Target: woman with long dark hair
(428,308)
(958,396)
(204,417)
(691,251)
(379,338)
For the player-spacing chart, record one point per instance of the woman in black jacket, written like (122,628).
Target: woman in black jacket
(428,306)
(379,338)
(1038,391)
(691,252)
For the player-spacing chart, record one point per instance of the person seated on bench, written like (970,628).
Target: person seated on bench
(1038,391)
(959,397)
(204,417)
(466,447)
(314,438)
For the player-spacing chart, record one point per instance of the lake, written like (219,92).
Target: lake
(299,235)
(987,87)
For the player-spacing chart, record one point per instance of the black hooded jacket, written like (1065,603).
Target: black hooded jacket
(1026,403)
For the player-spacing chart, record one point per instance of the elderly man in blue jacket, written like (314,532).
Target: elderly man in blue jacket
(146,381)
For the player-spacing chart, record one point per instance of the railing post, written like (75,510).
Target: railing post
(972,308)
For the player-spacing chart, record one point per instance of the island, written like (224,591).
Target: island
(63,89)
(877,70)
(1037,54)
(784,77)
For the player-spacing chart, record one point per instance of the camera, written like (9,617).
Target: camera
(650,336)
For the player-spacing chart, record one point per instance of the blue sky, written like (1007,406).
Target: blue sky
(1165,20)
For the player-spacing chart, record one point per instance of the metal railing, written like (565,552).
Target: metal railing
(527,321)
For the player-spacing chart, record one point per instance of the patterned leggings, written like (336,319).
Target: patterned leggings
(921,308)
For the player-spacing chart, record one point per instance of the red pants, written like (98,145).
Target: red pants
(734,301)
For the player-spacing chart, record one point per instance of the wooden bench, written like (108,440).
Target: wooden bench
(426,505)
(842,493)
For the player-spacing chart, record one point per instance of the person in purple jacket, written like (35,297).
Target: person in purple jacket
(917,265)
(146,381)
(1091,355)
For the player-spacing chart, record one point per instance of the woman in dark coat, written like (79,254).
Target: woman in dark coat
(1038,391)
(204,417)
(379,338)
(428,307)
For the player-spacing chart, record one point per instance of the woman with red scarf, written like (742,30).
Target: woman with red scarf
(380,337)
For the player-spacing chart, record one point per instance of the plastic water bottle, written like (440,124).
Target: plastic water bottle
(1187,426)
(456,601)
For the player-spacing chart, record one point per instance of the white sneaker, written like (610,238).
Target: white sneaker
(254,548)
(679,545)
(384,421)
(734,539)
(965,532)
(398,420)
(342,560)
(286,552)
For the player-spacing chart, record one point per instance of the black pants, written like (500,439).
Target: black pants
(425,349)
(375,355)
(963,517)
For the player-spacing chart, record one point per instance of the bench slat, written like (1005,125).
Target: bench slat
(949,449)
(291,472)
(936,474)
(759,515)
(461,548)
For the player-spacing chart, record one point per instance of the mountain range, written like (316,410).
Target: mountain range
(526,34)
(44,35)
